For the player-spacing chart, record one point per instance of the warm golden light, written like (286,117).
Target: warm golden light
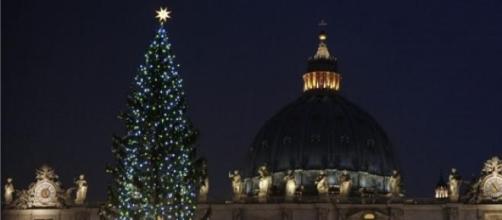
(441,192)
(321,80)
(322,37)
(369,216)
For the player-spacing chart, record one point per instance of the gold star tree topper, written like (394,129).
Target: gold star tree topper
(163,14)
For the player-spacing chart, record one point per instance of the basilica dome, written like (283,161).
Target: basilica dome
(321,131)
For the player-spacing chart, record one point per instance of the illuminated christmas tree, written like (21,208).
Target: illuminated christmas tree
(153,177)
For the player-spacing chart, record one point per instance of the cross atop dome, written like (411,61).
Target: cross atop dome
(322,50)
(322,35)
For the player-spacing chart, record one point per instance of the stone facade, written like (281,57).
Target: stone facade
(74,213)
(482,202)
(294,211)
(327,211)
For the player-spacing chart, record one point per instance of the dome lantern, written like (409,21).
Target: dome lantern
(441,191)
(322,72)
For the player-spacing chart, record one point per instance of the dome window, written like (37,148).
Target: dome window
(441,192)
(370,142)
(286,140)
(344,139)
(315,138)
(264,144)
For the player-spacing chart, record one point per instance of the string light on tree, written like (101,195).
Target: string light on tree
(153,177)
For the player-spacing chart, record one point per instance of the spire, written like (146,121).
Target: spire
(322,71)
(322,59)
(441,181)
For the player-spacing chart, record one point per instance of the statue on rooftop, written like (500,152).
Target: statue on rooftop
(290,188)
(345,184)
(203,181)
(322,183)
(8,191)
(264,183)
(395,184)
(81,185)
(237,184)
(454,181)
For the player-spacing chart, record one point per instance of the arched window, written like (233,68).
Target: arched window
(315,138)
(286,140)
(344,139)
(369,216)
(370,142)
(264,144)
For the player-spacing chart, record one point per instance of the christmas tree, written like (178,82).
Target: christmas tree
(153,177)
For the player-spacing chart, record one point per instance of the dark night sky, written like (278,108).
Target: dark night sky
(428,71)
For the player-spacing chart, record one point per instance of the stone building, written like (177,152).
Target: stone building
(321,157)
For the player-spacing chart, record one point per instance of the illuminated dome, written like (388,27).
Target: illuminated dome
(323,131)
